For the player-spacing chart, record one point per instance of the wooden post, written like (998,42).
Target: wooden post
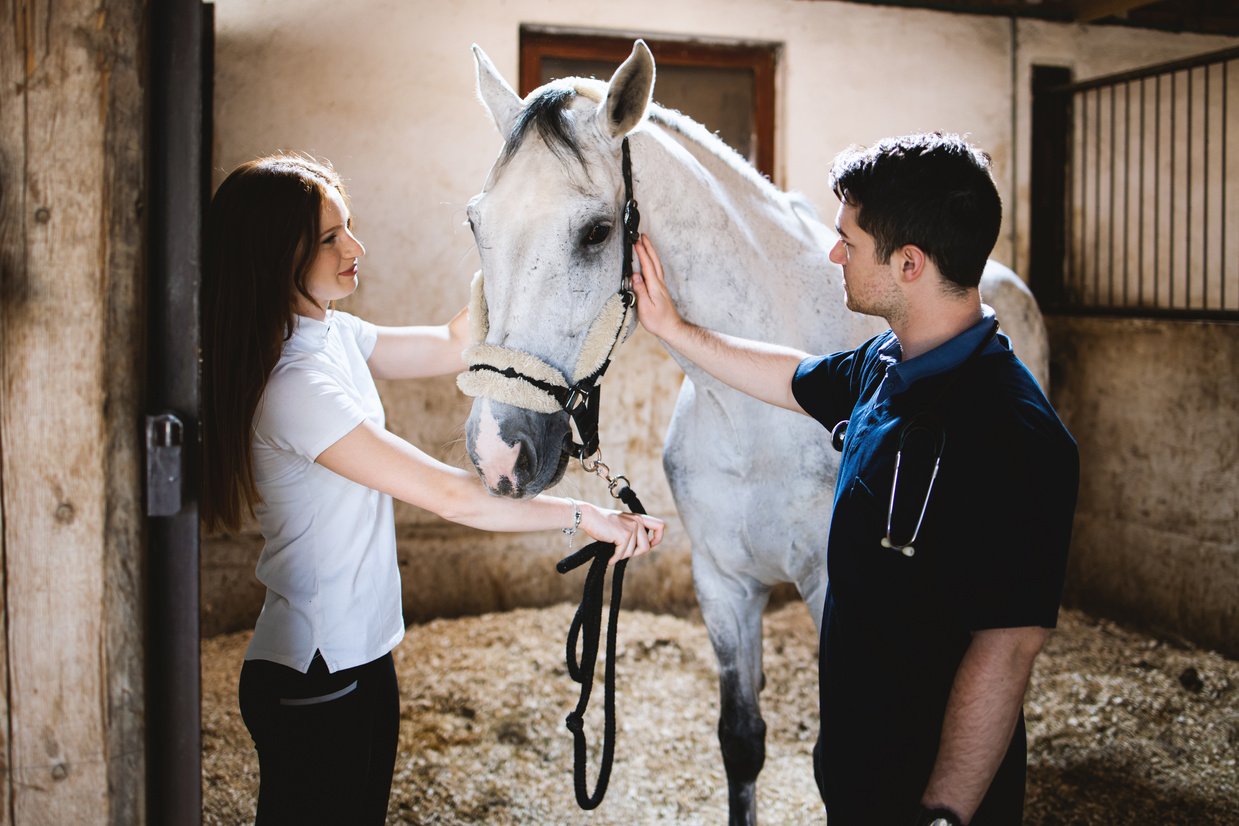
(180,59)
(72,176)
(1051,146)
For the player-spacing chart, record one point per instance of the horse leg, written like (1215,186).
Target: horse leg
(732,610)
(812,588)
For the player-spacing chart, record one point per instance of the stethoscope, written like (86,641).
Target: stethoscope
(920,421)
(916,423)
(939,435)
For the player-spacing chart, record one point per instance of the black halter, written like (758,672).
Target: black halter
(581,399)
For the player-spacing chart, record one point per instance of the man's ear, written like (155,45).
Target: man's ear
(910,260)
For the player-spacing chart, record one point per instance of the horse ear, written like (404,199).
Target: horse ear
(628,93)
(500,100)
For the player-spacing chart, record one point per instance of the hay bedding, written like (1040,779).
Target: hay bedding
(1122,728)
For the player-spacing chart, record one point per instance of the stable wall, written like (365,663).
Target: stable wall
(1153,404)
(385,90)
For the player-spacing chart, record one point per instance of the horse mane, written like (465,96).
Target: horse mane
(545,111)
(692,131)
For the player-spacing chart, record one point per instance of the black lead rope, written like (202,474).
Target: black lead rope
(588,619)
(582,404)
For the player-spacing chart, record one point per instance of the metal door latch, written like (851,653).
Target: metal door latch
(164,436)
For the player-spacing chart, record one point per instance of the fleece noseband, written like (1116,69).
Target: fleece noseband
(523,380)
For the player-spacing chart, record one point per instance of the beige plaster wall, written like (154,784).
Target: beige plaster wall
(1153,406)
(384,89)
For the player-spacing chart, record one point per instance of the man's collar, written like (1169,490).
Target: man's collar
(946,356)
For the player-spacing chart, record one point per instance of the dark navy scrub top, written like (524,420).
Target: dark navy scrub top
(991,553)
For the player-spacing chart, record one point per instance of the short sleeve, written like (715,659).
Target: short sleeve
(828,387)
(1013,556)
(365,333)
(305,410)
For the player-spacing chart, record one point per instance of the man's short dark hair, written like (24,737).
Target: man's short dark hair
(931,190)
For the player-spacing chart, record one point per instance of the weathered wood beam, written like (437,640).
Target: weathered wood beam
(1087,11)
(72,173)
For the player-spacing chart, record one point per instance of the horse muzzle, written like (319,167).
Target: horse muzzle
(518,453)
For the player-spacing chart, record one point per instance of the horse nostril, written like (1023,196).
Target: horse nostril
(526,463)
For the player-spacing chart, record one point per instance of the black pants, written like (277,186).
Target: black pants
(326,742)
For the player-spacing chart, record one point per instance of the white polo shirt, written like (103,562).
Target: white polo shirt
(329,563)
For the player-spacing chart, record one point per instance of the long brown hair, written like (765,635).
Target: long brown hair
(261,238)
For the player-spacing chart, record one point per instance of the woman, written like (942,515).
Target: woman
(294,434)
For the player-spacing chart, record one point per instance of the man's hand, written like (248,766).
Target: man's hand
(763,371)
(655,310)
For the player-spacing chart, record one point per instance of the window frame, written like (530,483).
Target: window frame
(537,44)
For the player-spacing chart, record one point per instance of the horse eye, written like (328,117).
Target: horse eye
(597,234)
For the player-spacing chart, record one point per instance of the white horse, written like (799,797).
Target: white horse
(753,483)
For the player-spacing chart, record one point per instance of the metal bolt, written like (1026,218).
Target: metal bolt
(42,215)
(60,771)
(64,513)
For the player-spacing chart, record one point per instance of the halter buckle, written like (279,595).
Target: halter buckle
(575,394)
(632,220)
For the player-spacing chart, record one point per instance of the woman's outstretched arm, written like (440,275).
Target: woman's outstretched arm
(378,459)
(420,352)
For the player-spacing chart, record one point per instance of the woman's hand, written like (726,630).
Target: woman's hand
(632,534)
(655,310)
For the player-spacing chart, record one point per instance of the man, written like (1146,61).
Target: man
(953,504)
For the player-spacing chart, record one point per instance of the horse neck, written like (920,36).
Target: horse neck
(739,258)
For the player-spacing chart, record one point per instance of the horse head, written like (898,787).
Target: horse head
(547,308)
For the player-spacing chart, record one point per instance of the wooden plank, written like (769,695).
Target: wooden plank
(123,344)
(12,271)
(71,534)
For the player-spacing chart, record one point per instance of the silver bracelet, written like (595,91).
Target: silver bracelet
(576,521)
